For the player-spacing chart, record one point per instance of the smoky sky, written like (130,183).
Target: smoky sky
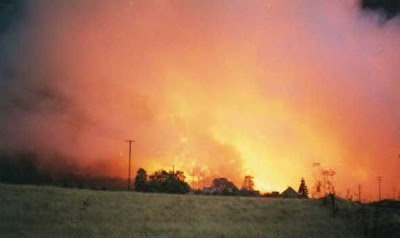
(388,8)
(12,12)
(29,94)
(223,88)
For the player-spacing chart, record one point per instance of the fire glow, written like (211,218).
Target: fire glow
(223,88)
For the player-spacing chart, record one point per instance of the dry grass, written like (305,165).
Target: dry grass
(29,211)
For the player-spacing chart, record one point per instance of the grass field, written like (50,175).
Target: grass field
(33,211)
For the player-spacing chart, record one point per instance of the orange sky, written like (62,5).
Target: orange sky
(223,88)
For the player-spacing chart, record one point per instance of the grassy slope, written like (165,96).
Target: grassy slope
(29,211)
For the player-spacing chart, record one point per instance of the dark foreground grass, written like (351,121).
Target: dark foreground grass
(30,211)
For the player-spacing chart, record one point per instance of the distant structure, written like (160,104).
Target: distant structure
(273,194)
(289,193)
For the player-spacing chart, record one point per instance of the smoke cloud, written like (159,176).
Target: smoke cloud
(388,8)
(223,88)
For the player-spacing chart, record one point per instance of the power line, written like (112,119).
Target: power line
(129,166)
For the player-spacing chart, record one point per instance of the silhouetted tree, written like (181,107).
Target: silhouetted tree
(303,190)
(140,182)
(163,182)
(223,186)
(248,187)
(323,181)
(248,183)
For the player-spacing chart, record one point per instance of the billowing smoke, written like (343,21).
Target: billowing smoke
(223,88)
(74,84)
(388,8)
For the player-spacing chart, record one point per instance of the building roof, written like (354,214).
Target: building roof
(289,193)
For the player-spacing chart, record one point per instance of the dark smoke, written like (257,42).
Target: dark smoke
(24,93)
(31,168)
(11,13)
(389,8)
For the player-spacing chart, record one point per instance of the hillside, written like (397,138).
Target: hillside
(30,211)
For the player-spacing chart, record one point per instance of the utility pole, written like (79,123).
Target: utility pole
(193,182)
(359,192)
(173,169)
(129,166)
(348,196)
(379,184)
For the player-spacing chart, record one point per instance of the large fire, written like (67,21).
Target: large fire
(212,88)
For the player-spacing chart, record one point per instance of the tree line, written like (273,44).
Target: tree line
(162,181)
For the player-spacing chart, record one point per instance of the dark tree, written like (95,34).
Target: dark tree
(140,182)
(248,183)
(248,187)
(303,190)
(324,181)
(223,186)
(163,182)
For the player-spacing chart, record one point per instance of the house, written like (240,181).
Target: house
(289,193)
(273,194)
